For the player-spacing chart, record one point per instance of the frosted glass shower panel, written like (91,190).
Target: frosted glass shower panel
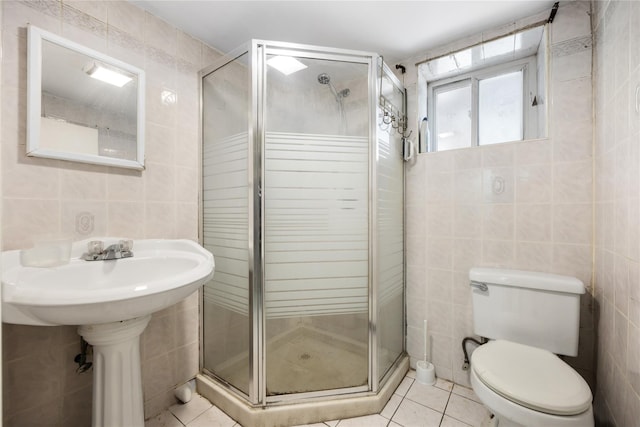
(316,227)
(390,233)
(316,249)
(225,222)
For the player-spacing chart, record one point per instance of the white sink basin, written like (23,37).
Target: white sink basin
(161,273)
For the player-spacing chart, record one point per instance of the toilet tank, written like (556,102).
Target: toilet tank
(537,309)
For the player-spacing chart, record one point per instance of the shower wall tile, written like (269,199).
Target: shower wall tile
(126,17)
(42,197)
(525,205)
(532,152)
(617,222)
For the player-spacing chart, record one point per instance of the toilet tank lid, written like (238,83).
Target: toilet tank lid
(527,279)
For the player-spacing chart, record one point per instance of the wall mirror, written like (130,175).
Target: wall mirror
(82,105)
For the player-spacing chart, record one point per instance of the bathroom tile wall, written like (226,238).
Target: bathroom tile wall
(525,205)
(41,196)
(616,26)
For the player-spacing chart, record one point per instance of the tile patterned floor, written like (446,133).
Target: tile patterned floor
(412,405)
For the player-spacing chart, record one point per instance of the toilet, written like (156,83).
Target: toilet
(528,317)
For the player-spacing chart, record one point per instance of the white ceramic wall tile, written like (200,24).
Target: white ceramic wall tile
(498,253)
(439,220)
(440,351)
(498,185)
(439,315)
(533,152)
(15,14)
(160,34)
(533,183)
(533,222)
(498,221)
(160,182)
(439,253)
(189,48)
(438,187)
(439,284)
(498,155)
(467,159)
(468,186)
(467,253)
(125,219)
(575,66)
(572,100)
(127,17)
(14,67)
(572,21)
(573,223)
(467,220)
(572,182)
(78,25)
(533,256)
(160,147)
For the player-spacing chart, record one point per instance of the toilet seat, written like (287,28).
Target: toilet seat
(531,377)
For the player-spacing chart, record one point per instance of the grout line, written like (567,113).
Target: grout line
(444,411)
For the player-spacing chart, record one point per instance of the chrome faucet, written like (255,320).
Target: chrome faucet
(95,251)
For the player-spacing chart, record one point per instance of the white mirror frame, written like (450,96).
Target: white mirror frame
(34,102)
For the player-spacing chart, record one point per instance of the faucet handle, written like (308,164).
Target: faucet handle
(126,245)
(95,247)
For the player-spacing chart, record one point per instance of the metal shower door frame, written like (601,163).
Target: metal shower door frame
(261,49)
(257,51)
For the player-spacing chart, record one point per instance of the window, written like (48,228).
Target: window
(483,107)
(488,93)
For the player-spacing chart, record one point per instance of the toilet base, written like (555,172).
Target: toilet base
(490,421)
(510,414)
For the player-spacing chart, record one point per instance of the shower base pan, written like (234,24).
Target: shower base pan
(298,361)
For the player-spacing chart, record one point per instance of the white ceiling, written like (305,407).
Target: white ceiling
(395,29)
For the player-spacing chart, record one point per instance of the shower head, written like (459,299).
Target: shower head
(324,79)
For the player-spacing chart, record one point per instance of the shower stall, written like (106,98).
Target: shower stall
(302,207)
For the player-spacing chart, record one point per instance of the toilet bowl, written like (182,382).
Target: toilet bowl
(528,386)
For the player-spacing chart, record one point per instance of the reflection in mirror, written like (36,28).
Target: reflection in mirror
(489,93)
(83,106)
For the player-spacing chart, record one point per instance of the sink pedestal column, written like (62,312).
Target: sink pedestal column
(117,379)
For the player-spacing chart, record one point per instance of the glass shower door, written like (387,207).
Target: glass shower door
(390,226)
(226,221)
(316,226)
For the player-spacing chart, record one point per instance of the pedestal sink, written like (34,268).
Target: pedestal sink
(111,302)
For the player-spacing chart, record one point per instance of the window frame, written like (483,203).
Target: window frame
(529,81)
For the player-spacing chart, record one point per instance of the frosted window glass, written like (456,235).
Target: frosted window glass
(500,109)
(453,118)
